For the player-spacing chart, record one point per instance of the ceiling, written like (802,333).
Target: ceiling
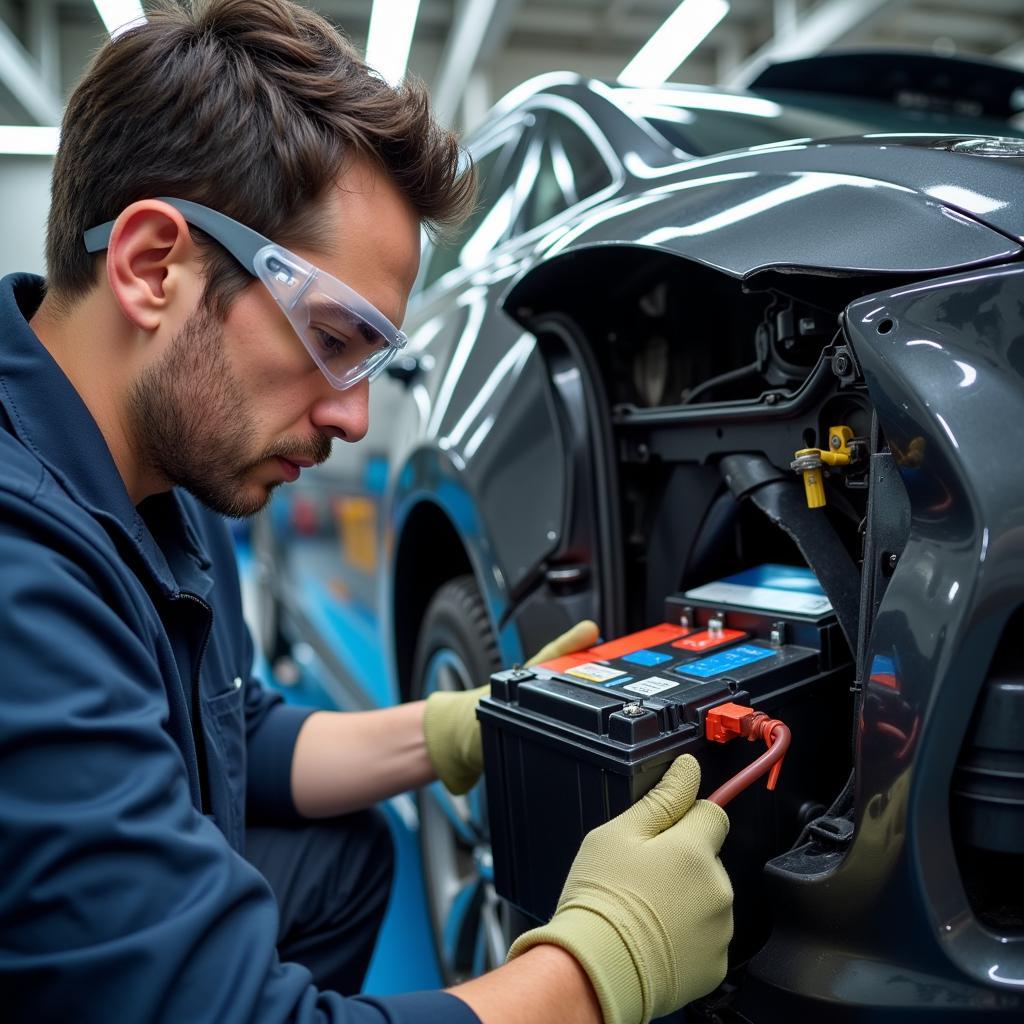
(471,52)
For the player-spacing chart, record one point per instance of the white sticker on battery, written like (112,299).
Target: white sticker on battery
(595,673)
(764,598)
(652,685)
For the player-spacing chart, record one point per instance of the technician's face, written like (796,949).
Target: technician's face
(235,408)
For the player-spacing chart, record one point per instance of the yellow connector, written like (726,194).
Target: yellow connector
(814,483)
(810,462)
(838,439)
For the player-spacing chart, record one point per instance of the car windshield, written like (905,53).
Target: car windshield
(707,123)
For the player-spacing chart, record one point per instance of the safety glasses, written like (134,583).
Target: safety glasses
(348,337)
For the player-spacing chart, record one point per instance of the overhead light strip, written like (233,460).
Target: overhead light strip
(28,140)
(392,24)
(120,15)
(684,30)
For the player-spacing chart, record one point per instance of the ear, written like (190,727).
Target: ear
(151,263)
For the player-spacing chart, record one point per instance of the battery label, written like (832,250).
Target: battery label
(705,640)
(725,661)
(565,662)
(647,658)
(654,684)
(594,673)
(660,634)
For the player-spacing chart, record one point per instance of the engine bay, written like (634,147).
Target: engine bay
(733,428)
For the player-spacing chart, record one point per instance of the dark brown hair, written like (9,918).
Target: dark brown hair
(251,107)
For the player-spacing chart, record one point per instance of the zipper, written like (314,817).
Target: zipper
(198,737)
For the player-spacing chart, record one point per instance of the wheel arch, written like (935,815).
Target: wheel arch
(430,552)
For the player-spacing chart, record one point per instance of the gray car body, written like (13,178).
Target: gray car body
(473,433)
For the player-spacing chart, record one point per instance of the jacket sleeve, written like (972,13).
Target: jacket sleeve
(120,901)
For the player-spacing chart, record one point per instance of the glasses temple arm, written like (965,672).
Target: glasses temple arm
(243,243)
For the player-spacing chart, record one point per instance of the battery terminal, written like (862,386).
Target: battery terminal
(729,721)
(811,463)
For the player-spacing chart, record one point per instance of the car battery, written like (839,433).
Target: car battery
(572,742)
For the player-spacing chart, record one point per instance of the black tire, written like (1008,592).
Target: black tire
(457,649)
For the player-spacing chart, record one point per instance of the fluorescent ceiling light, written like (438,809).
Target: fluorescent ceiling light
(119,15)
(687,26)
(392,23)
(25,140)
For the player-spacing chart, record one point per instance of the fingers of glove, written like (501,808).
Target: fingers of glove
(664,805)
(583,635)
(467,733)
(709,823)
(452,735)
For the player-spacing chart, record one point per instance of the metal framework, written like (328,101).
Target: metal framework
(470,51)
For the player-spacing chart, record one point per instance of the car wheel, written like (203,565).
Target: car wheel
(457,650)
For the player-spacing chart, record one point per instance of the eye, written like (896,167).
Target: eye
(329,344)
(371,335)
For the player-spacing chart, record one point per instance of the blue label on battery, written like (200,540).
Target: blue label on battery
(647,658)
(724,661)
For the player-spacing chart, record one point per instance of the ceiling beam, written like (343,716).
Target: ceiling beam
(44,41)
(501,27)
(976,27)
(21,76)
(564,27)
(827,24)
(467,40)
(612,19)
(785,18)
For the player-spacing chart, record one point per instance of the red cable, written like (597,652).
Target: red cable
(777,735)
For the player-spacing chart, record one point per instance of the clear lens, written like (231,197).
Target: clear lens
(348,337)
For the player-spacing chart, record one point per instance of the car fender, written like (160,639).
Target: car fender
(487,405)
(944,365)
(433,476)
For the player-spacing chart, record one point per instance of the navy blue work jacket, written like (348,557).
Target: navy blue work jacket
(133,739)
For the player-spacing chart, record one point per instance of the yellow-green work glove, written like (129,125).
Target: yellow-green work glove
(647,906)
(450,726)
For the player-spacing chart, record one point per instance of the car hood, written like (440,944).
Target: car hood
(872,205)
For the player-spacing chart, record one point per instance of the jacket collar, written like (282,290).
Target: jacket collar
(50,419)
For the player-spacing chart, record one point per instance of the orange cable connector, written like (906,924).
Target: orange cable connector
(725,723)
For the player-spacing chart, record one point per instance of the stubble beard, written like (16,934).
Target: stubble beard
(190,422)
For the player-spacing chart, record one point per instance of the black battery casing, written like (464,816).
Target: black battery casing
(563,755)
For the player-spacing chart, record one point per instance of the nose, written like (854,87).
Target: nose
(343,414)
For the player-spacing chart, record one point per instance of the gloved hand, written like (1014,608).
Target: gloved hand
(450,726)
(647,906)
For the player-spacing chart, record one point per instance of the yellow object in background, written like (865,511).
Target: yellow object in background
(357,523)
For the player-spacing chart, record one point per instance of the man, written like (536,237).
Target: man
(233,236)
